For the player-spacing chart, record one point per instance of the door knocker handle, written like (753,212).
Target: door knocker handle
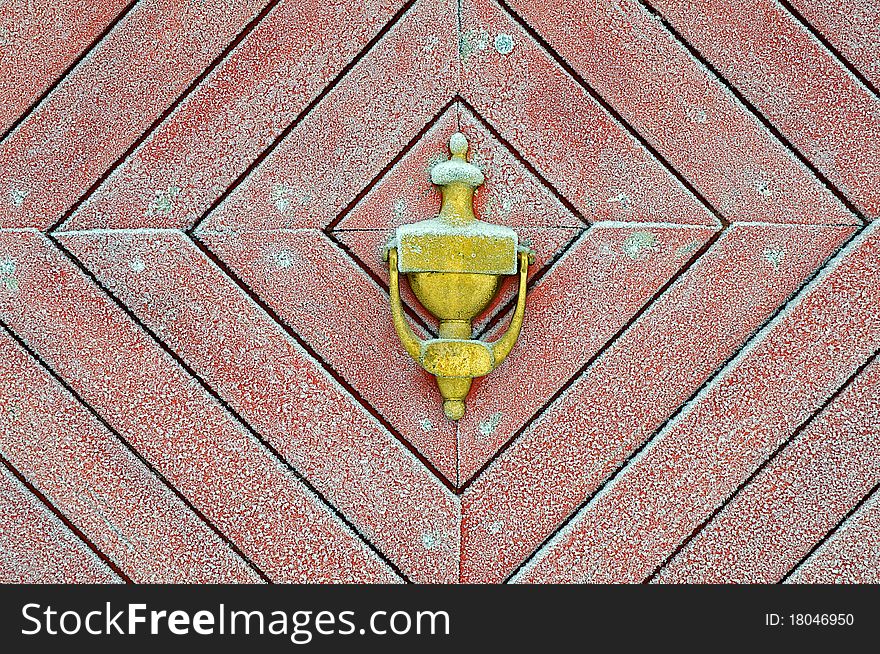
(455,264)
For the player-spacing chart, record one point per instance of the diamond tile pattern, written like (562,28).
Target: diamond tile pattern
(201,381)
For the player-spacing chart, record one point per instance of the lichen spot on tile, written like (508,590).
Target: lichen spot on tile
(429,540)
(280,196)
(137,265)
(282,259)
(490,424)
(7,275)
(764,188)
(163,202)
(621,198)
(504,44)
(17,196)
(400,210)
(638,243)
(686,251)
(472,41)
(426,425)
(774,256)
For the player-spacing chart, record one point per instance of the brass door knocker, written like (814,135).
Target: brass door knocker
(454,264)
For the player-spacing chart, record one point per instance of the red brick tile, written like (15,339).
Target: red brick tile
(107,101)
(851,555)
(37,548)
(189,438)
(276,71)
(565,133)
(794,81)
(851,26)
(683,111)
(343,315)
(775,520)
(632,389)
(734,424)
(40,40)
(511,196)
(100,486)
(354,132)
(280,390)
(590,294)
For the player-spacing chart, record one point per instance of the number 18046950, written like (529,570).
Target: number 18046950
(809,619)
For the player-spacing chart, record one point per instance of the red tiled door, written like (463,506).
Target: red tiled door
(201,380)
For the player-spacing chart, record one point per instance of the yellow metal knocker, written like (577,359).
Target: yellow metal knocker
(455,264)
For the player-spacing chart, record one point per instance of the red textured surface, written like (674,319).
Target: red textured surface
(816,103)
(101,486)
(801,494)
(754,405)
(851,556)
(109,98)
(200,378)
(851,26)
(36,547)
(677,106)
(39,40)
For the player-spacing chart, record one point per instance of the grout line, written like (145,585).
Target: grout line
(816,34)
(63,518)
(751,108)
(858,505)
(756,333)
(776,453)
(591,360)
(225,405)
(457,455)
(339,379)
(149,466)
(684,181)
(337,79)
(69,69)
(246,30)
